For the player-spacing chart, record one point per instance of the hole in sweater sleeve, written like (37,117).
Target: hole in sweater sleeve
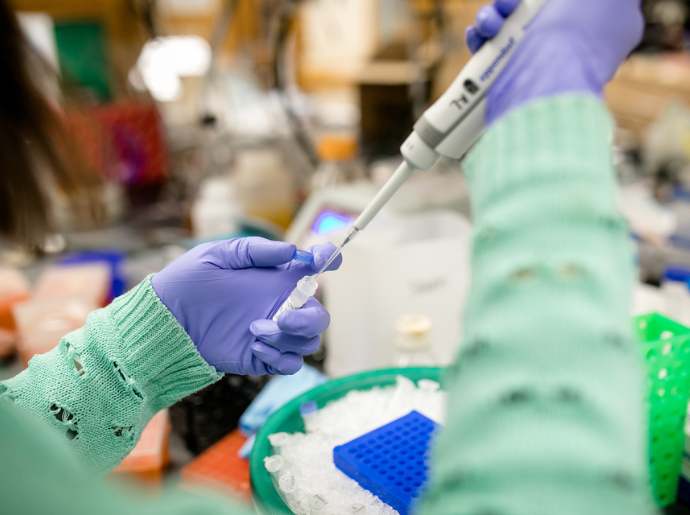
(621,480)
(131,383)
(518,396)
(126,432)
(568,395)
(476,348)
(78,366)
(66,418)
(524,274)
(7,393)
(61,414)
(74,358)
(571,271)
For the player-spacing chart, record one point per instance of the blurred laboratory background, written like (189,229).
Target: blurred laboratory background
(212,119)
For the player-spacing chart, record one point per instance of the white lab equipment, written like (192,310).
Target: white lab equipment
(417,263)
(216,211)
(328,213)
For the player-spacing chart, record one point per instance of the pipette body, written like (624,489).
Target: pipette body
(454,123)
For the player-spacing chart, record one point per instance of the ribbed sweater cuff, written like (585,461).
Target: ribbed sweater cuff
(156,351)
(563,135)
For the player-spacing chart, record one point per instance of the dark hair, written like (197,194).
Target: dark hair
(33,144)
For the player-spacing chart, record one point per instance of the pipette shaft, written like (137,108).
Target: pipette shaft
(381,199)
(389,189)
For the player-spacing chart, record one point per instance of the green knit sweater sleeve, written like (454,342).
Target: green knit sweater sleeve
(101,385)
(545,410)
(44,477)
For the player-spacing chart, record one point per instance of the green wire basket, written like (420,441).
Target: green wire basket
(666,349)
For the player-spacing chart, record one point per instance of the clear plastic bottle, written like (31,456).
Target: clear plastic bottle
(413,341)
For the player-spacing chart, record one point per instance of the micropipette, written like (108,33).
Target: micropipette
(454,123)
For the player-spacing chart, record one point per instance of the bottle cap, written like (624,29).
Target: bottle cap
(337,147)
(304,256)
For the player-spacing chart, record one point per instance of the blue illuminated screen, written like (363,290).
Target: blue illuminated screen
(329,220)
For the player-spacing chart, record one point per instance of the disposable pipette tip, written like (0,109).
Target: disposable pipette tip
(338,251)
(330,260)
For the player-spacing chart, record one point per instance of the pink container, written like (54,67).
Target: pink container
(89,283)
(41,323)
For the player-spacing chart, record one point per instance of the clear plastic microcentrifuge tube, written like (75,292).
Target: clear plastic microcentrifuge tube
(306,288)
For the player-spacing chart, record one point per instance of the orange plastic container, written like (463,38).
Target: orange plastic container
(14,289)
(220,466)
(42,323)
(90,283)
(62,299)
(8,343)
(148,459)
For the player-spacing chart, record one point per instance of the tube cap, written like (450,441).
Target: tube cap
(677,273)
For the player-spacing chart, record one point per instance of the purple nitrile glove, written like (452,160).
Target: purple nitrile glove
(224,294)
(570,47)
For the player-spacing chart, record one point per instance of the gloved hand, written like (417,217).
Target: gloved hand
(569,47)
(224,294)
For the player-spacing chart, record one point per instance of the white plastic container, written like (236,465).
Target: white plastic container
(216,210)
(676,295)
(413,341)
(417,263)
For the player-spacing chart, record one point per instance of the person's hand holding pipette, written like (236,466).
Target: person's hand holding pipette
(224,294)
(570,47)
